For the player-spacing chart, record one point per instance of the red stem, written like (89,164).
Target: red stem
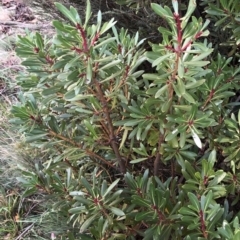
(203,227)
(96,37)
(78,50)
(179,30)
(83,35)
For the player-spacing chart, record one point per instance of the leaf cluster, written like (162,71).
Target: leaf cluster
(133,153)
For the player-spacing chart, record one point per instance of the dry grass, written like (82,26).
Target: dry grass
(12,151)
(9,158)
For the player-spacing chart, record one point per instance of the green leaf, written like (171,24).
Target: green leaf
(216,12)
(69,177)
(196,138)
(172,135)
(77,210)
(188,219)
(138,160)
(194,201)
(159,60)
(181,69)
(53,124)
(29,192)
(88,13)
(141,202)
(117,211)
(232,155)
(194,84)
(75,15)
(159,10)
(111,64)
(131,123)
(197,63)
(191,8)
(194,226)
(187,211)
(87,222)
(107,26)
(154,77)
(90,128)
(109,189)
(202,55)
(86,184)
(51,90)
(180,86)
(214,215)
(143,216)
(212,157)
(106,41)
(39,41)
(141,150)
(66,13)
(81,110)
(219,176)
(206,200)
(68,96)
(89,71)
(182,139)
(124,137)
(58,25)
(81,199)
(161,91)
(188,97)
(36,137)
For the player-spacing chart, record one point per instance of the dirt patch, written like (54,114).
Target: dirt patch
(14,11)
(15,17)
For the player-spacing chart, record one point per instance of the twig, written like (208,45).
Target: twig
(24,232)
(80,146)
(112,136)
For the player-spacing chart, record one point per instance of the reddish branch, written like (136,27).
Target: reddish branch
(78,50)
(80,146)
(211,94)
(198,35)
(178,52)
(203,226)
(205,180)
(36,50)
(75,169)
(112,137)
(49,60)
(179,30)
(83,35)
(95,39)
(161,216)
(119,48)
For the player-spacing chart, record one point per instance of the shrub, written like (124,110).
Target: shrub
(133,154)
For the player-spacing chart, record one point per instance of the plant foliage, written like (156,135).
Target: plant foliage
(134,154)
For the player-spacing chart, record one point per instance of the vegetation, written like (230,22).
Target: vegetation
(133,139)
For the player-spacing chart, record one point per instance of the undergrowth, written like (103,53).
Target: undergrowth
(102,148)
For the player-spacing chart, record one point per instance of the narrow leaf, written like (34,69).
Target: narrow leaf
(111,187)
(196,139)
(117,211)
